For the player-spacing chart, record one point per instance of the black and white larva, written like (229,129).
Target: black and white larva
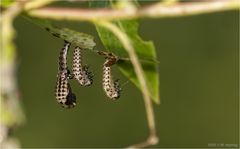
(81,72)
(63,91)
(110,86)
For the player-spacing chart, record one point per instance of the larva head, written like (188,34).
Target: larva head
(71,101)
(88,76)
(88,82)
(116,89)
(63,92)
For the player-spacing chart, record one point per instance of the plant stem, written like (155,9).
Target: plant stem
(153,139)
(157,10)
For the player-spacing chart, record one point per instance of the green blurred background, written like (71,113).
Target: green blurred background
(199,88)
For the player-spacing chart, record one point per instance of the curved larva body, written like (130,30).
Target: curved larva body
(63,90)
(111,88)
(80,72)
(64,93)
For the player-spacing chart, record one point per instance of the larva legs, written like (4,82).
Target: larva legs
(80,72)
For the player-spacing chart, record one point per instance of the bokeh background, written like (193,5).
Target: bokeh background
(198,68)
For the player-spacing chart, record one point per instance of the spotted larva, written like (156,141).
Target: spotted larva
(81,72)
(111,87)
(63,91)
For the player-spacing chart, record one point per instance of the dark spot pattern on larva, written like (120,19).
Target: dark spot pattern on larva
(63,90)
(80,72)
(111,88)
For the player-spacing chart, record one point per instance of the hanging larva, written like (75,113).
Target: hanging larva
(63,91)
(110,86)
(81,72)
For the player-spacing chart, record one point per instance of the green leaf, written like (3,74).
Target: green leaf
(145,51)
(82,40)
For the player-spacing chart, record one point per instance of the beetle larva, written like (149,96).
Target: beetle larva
(81,72)
(110,86)
(63,92)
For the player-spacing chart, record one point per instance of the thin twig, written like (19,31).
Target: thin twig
(153,139)
(157,10)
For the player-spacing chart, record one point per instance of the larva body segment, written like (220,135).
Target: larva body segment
(81,72)
(111,88)
(64,94)
(62,61)
(63,90)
